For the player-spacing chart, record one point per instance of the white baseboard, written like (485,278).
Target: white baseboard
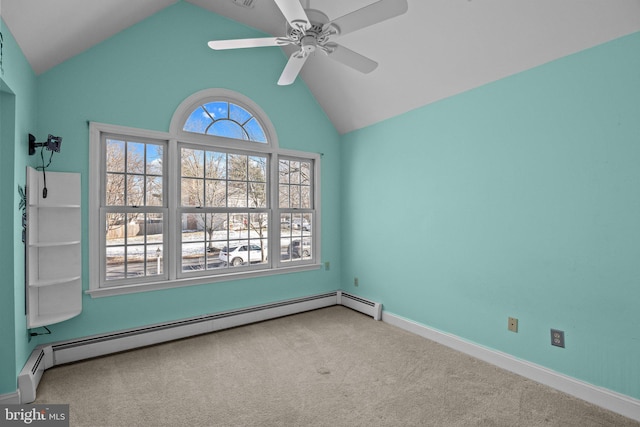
(100,345)
(46,356)
(10,398)
(605,398)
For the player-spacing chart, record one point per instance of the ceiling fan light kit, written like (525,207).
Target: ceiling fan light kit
(311,30)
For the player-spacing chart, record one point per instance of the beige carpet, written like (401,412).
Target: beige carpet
(330,367)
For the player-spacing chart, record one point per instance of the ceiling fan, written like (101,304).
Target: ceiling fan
(311,30)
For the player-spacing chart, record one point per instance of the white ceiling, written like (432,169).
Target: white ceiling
(438,49)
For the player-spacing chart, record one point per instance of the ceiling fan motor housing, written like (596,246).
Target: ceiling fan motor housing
(309,39)
(309,44)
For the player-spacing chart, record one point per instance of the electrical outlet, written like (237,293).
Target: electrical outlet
(355,281)
(327,265)
(557,338)
(513,324)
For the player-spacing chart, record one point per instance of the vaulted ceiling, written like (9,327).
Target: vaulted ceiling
(439,48)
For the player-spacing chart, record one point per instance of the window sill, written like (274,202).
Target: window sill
(169,284)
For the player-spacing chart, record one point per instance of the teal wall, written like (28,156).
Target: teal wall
(520,198)
(17,119)
(138,78)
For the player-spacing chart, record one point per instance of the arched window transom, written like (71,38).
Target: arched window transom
(225,119)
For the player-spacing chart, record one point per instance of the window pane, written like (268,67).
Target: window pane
(193,256)
(258,224)
(135,157)
(114,189)
(305,173)
(257,195)
(216,193)
(237,195)
(154,191)
(115,228)
(218,110)
(192,163)
(283,171)
(294,172)
(216,166)
(238,228)
(228,129)
(155,260)
(115,262)
(255,131)
(115,156)
(237,167)
(284,196)
(197,121)
(192,192)
(257,169)
(294,196)
(154,159)
(305,198)
(135,190)
(238,114)
(134,261)
(193,227)
(154,228)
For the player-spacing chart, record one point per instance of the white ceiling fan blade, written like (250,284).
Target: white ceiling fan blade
(369,15)
(294,13)
(350,58)
(293,67)
(244,43)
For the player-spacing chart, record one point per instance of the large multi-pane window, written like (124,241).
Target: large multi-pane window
(213,199)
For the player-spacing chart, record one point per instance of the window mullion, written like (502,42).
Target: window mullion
(172,171)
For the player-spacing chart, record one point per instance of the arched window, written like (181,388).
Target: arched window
(226,114)
(213,199)
(225,119)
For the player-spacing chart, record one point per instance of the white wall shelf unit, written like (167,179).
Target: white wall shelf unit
(53,253)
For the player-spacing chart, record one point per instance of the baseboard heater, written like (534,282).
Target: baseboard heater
(373,309)
(49,355)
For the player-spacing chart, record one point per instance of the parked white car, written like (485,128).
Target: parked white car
(242,254)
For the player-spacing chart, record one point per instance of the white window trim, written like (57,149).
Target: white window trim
(173,137)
